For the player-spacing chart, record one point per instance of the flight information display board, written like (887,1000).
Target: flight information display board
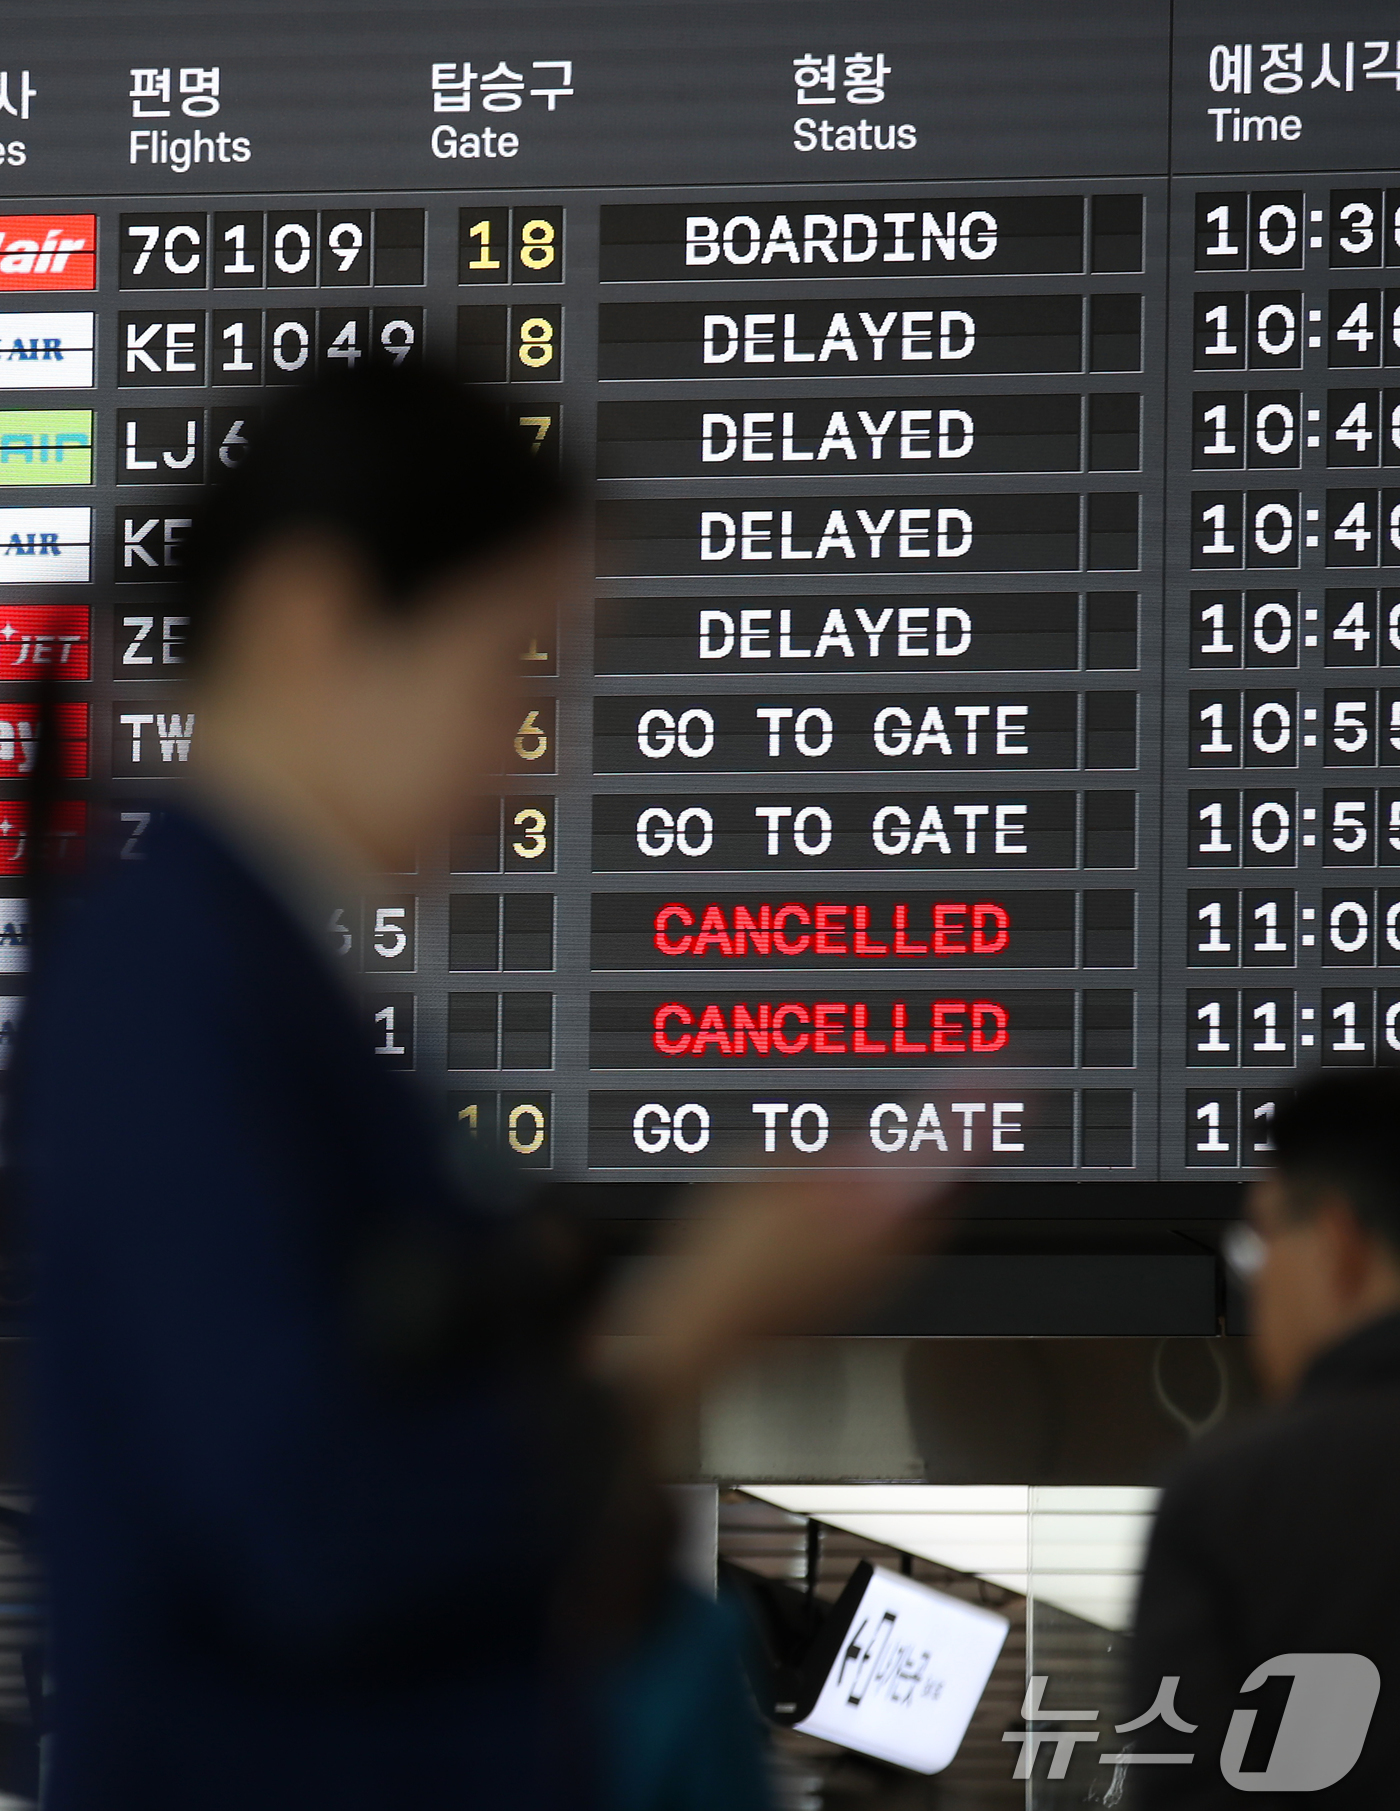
(984,736)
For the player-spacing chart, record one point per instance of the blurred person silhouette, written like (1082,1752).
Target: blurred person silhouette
(1278,1544)
(347,1501)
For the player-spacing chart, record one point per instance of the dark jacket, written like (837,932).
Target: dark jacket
(1282,1541)
(311,1473)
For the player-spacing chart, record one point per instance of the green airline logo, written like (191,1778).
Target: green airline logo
(45,446)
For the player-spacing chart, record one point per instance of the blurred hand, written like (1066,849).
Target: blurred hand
(779,1254)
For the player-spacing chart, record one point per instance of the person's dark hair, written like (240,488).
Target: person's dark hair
(1343,1132)
(416,474)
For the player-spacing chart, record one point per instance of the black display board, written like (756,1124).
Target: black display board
(986,732)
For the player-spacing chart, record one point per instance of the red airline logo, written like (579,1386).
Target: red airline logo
(69,829)
(37,640)
(19,740)
(48,251)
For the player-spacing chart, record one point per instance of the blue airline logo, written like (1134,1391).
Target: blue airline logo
(49,351)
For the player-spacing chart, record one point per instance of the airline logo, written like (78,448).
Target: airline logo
(45,546)
(48,251)
(45,446)
(11,1006)
(68,829)
(41,640)
(14,936)
(19,740)
(46,351)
